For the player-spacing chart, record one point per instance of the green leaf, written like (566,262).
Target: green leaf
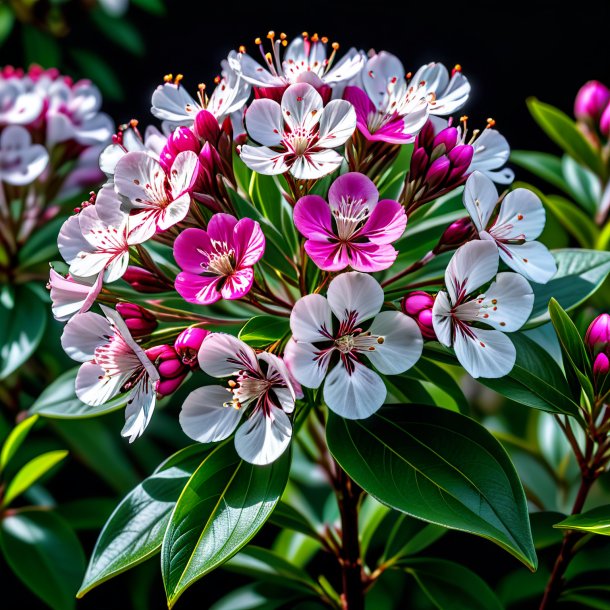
(288,517)
(409,536)
(87,513)
(14,440)
(584,184)
(40,47)
(564,132)
(155,7)
(258,596)
(30,473)
(574,220)
(261,331)
(438,379)
(134,532)
(21,330)
(100,72)
(545,166)
(391,181)
(41,247)
(439,466)
(222,507)
(59,401)
(451,586)
(579,274)
(120,31)
(595,521)
(7,20)
(44,552)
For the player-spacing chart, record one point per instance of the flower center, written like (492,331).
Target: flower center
(358,342)
(298,141)
(221,259)
(350,215)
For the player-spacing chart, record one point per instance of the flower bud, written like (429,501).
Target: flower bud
(601,365)
(206,127)
(143,280)
(437,172)
(448,137)
(170,367)
(418,305)
(591,100)
(188,343)
(138,320)
(456,234)
(604,123)
(182,139)
(598,334)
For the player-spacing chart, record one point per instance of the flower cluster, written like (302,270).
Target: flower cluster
(270,242)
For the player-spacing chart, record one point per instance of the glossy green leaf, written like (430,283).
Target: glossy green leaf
(371,515)
(14,440)
(134,532)
(579,274)
(596,597)
(545,166)
(574,220)
(41,247)
(221,508)
(59,401)
(410,536)
(595,521)
(89,513)
(21,330)
(584,184)
(439,380)
(258,596)
(564,132)
(439,466)
(261,331)
(44,552)
(7,19)
(451,586)
(391,181)
(30,473)
(154,7)
(288,517)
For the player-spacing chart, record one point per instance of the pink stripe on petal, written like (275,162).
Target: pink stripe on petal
(238,284)
(249,242)
(327,256)
(386,224)
(221,227)
(369,257)
(353,186)
(197,288)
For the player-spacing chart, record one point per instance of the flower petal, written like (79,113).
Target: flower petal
(207,415)
(354,396)
(262,439)
(140,408)
(199,289)
(382,71)
(249,242)
(173,103)
(386,223)
(305,365)
(480,199)
(337,124)
(72,295)
(355,187)
(301,106)
(264,122)
(485,353)
(402,343)
(355,293)
(238,284)
(83,334)
(263,160)
(174,212)
(189,248)
(276,367)
(521,216)
(441,319)
(140,179)
(312,217)
(94,387)
(328,256)
(531,259)
(183,173)
(315,165)
(472,265)
(309,316)
(369,258)
(222,355)
(71,240)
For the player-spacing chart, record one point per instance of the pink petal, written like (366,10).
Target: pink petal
(327,256)
(362,104)
(386,224)
(221,226)
(393,132)
(238,284)
(312,217)
(249,242)
(355,186)
(199,289)
(371,257)
(188,247)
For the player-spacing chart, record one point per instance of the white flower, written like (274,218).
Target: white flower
(519,221)
(262,382)
(443,93)
(299,135)
(112,363)
(322,350)
(21,162)
(18,105)
(71,295)
(491,152)
(459,315)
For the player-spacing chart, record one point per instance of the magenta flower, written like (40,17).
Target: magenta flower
(354,228)
(217,263)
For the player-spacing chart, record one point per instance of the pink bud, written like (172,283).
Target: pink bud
(591,100)
(206,127)
(448,137)
(437,172)
(143,280)
(604,123)
(598,333)
(139,321)
(171,369)
(419,162)
(601,365)
(457,233)
(188,343)
(418,305)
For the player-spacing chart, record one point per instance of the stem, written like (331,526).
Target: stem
(348,494)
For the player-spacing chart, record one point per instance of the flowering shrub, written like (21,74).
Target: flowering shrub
(309,256)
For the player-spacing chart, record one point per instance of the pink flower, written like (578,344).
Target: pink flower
(188,343)
(353,228)
(598,334)
(262,388)
(297,136)
(112,363)
(217,263)
(591,101)
(172,371)
(338,352)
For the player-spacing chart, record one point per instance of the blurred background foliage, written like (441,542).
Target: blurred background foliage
(509,53)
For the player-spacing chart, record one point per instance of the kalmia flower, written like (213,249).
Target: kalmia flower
(332,352)
(459,312)
(113,363)
(21,162)
(71,295)
(353,229)
(261,389)
(217,263)
(297,136)
(520,219)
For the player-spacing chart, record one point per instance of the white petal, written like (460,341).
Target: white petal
(204,416)
(508,302)
(139,411)
(108,206)
(262,439)
(221,355)
(337,124)
(301,106)
(480,199)
(116,268)
(491,152)
(277,367)
(173,103)
(472,265)
(304,364)
(94,387)
(356,293)
(521,216)
(381,72)
(84,333)
(171,214)
(308,316)
(94,130)
(441,318)
(316,165)
(402,343)
(141,179)
(253,73)
(531,259)
(346,68)
(71,240)
(487,353)
(264,122)
(453,97)
(355,396)
(434,77)
(263,160)
(110,157)
(183,172)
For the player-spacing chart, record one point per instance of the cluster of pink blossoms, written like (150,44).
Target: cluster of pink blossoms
(239,208)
